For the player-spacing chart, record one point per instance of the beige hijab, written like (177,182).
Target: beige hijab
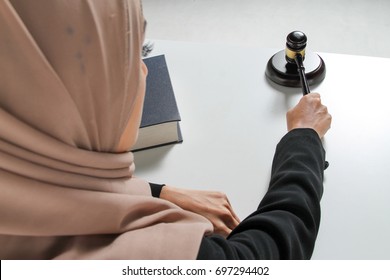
(69,77)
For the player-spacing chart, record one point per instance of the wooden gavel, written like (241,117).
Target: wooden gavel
(295,53)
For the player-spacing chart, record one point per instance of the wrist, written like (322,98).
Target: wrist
(167,192)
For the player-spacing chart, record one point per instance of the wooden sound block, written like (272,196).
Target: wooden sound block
(286,74)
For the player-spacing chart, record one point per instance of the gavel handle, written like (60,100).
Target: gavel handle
(302,75)
(305,85)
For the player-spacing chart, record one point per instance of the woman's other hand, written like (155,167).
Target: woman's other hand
(212,205)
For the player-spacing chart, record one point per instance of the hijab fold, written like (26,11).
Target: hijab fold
(70,73)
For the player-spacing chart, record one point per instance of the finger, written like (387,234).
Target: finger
(236,218)
(234,221)
(313,95)
(222,229)
(230,208)
(233,224)
(230,220)
(222,217)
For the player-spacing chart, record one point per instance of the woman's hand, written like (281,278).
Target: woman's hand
(214,206)
(310,113)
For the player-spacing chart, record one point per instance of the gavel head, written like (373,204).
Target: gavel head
(295,44)
(282,68)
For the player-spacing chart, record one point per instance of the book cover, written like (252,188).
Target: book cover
(160,117)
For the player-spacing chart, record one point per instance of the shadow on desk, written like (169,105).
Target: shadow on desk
(290,94)
(147,160)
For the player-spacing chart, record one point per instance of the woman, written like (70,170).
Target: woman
(72,85)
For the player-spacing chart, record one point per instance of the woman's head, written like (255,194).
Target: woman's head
(74,71)
(72,83)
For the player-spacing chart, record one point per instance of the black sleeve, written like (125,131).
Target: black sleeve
(286,223)
(156,189)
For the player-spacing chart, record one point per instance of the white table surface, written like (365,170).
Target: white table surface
(232,119)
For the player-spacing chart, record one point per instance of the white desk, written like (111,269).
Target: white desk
(232,119)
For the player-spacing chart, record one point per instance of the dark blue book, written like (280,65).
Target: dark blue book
(160,116)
